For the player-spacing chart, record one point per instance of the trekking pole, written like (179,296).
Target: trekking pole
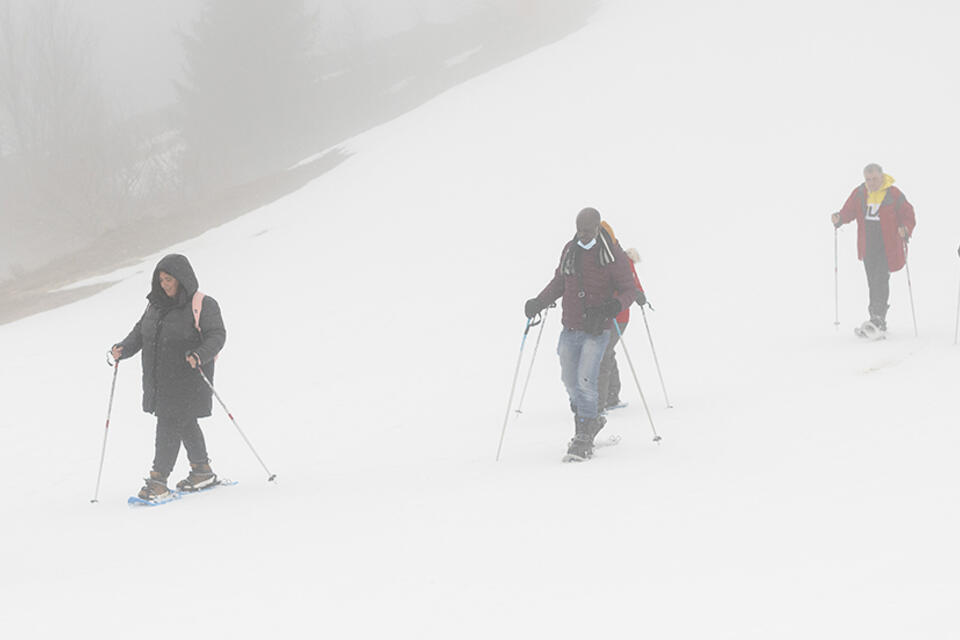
(956,331)
(655,360)
(513,385)
(533,358)
(271,476)
(106,428)
(910,289)
(656,436)
(836,282)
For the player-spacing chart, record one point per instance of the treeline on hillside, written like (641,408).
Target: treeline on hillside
(71,168)
(260,92)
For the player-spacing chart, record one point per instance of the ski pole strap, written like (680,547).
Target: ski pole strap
(537,319)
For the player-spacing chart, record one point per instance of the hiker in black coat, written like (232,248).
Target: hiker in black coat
(172,389)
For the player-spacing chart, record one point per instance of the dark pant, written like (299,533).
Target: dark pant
(170,433)
(608,383)
(878,272)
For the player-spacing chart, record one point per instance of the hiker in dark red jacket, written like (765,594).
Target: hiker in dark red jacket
(174,344)
(594,279)
(885,222)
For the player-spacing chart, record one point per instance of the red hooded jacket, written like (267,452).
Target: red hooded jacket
(894,212)
(624,316)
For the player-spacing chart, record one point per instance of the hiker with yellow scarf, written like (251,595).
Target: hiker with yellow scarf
(885,222)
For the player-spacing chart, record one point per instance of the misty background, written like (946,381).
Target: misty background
(128,126)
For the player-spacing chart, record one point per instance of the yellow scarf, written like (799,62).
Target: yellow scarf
(876,197)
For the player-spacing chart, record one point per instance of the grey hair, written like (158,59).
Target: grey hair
(873,167)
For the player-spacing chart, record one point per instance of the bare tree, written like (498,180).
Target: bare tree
(250,100)
(69,166)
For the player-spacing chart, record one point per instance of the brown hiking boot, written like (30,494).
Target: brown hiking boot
(155,488)
(200,477)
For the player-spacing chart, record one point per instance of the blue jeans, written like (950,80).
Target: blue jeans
(580,357)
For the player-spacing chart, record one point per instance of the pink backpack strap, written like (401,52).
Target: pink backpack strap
(197,305)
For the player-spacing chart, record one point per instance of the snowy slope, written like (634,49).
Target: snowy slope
(805,486)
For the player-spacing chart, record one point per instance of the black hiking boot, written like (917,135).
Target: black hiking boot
(878,316)
(155,488)
(201,476)
(880,323)
(581,447)
(598,423)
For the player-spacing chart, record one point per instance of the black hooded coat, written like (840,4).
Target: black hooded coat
(166,333)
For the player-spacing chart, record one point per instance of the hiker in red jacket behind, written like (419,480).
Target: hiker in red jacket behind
(174,344)
(594,279)
(885,222)
(609,383)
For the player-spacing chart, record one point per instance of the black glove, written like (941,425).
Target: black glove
(596,319)
(641,298)
(532,307)
(612,307)
(838,222)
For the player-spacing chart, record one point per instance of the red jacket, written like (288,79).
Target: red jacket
(624,316)
(894,212)
(598,283)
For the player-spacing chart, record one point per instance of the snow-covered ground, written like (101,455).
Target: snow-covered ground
(806,485)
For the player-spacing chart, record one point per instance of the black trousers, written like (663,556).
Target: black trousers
(878,272)
(170,433)
(608,381)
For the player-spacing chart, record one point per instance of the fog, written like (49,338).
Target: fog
(127,126)
(140,54)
